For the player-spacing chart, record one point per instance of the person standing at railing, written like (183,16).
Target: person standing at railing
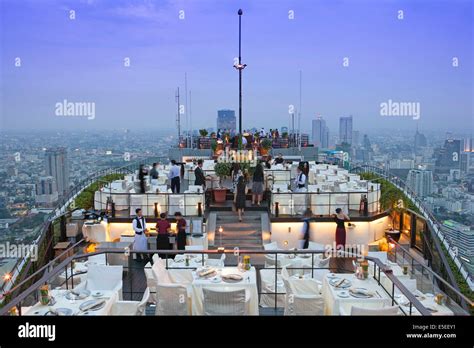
(364,206)
(257,185)
(240,197)
(154,171)
(163,227)
(300,180)
(140,240)
(199,174)
(142,172)
(181,228)
(174,176)
(340,218)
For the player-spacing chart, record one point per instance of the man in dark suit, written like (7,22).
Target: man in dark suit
(199,174)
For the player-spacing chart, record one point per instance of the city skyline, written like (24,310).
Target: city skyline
(83,60)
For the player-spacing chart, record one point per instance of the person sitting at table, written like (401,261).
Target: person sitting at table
(199,174)
(154,171)
(181,228)
(300,180)
(139,226)
(279,159)
(163,227)
(340,218)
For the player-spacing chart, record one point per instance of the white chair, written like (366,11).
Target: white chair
(301,304)
(131,307)
(392,310)
(181,276)
(224,302)
(271,246)
(161,274)
(410,284)
(101,277)
(323,263)
(216,262)
(172,299)
(267,285)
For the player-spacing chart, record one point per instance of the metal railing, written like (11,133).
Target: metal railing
(50,273)
(299,203)
(428,215)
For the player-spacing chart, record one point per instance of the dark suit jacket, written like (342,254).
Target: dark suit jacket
(200,179)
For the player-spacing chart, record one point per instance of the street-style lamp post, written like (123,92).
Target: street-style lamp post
(239,66)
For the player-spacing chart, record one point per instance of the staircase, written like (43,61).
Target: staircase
(244,235)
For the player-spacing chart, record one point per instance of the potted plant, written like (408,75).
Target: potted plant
(265,146)
(222,170)
(204,141)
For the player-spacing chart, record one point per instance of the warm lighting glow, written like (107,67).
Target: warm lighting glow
(220,249)
(220,229)
(90,248)
(7,277)
(391,245)
(285,243)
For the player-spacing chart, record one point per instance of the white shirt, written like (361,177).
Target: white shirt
(300,179)
(175,171)
(135,226)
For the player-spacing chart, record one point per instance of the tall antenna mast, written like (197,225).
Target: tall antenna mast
(178,116)
(299,113)
(190,121)
(186,104)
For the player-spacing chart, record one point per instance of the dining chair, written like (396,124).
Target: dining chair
(267,286)
(172,299)
(101,277)
(216,262)
(161,274)
(224,302)
(392,310)
(131,307)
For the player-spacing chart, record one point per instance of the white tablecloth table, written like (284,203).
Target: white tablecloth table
(110,298)
(249,283)
(332,301)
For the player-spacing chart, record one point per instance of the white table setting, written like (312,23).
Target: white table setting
(72,302)
(346,289)
(224,279)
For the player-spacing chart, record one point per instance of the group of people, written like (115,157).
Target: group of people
(163,228)
(175,175)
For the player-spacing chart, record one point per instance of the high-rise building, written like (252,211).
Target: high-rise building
(420,141)
(420,182)
(320,133)
(345,130)
(46,191)
(356,138)
(226,120)
(57,166)
(448,157)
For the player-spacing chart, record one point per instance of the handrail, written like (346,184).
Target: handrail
(17,300)
(78,189)
(426,211)
(12,290)
(434,274)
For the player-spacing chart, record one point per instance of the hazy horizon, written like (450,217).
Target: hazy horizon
(82,60)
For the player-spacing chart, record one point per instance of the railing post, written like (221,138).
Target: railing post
(276,281)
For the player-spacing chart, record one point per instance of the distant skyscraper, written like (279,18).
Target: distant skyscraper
(345,130)
(420,182)
(420,141)
(226,120)
(57,166)
(356,138)
(46,191)
(448,157)
(320,133)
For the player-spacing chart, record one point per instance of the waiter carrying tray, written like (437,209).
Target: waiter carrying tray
(140,242)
